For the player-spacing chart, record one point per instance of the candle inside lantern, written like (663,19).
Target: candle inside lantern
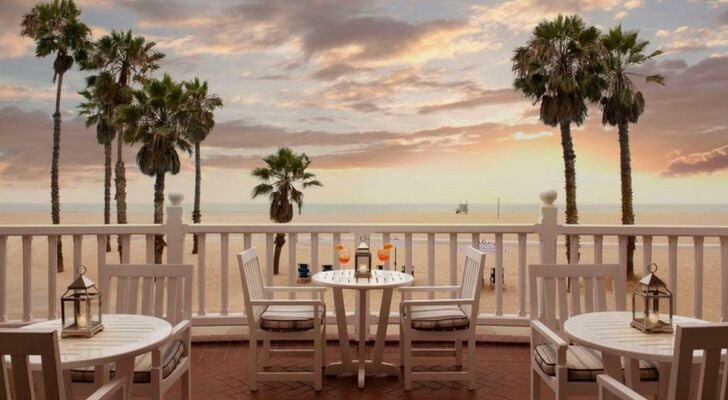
(81,321)
(653,317)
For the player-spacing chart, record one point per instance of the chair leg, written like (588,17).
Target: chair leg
(317,363)
(458,353)
(253,364)
(471,364)
(266,353)
(401,344)
(407,350)
(535,385)
(187,385)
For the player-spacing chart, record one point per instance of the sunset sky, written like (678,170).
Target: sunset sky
(395,101)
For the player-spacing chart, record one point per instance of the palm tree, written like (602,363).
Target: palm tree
(622,103)
(56,29)
(129,59)
(559,68)
(99,109)
(201,107)
(285,168)
(156,120)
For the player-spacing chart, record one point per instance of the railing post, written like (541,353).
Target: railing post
(548,226)
(174,229)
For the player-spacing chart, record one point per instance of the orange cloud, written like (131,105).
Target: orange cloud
(707,162)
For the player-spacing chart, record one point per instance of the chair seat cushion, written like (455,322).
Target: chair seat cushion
(583,363)
(439,318)
(171,355)
(288,318)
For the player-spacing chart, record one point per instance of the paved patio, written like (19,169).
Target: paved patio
(220,371)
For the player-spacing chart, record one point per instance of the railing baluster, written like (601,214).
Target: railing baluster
(247,241)
(522,278)
(269,259)
(149,243)
(224,272)
(698,277)
(453,260)
(431,262)
(4,276)
(77,254)
(201,273)
(619,286)
(646,253)
(724,279)
(27,278)
(672,267)
(125,248)
(385,239)
(499,274)
(574,249)
(334,253)
(314,253)
(408,253)
(101,250)
(598,249)
(292,243)
(475,240)
(52,277)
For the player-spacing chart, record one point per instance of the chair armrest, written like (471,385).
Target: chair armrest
(545,332)
(443,302)
(293,289)
(109,390)
(607,384)
(181,328)
(282,302)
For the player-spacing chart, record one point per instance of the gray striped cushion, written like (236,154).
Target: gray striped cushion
(288,318)
(171,355)
(439,318)
(583,363)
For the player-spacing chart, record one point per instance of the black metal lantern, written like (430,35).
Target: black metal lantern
(81,308)
(363,261)
(655,299)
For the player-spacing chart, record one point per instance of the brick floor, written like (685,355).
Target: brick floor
(220,371)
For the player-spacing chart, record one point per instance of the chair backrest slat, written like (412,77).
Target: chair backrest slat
(711,339)
(170,282)
(472,276)
(19,345)
(252,280)
(553,301)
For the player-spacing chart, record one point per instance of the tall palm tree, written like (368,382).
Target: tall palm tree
(559,68)
(99,108)
(156,120)
(201,107)
(285,169)
(129,59)
(55,28)
(622,103)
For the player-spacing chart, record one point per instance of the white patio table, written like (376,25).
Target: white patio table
(386,281)
(610,332)
(123,339)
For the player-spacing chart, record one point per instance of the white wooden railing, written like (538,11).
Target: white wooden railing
(213,299)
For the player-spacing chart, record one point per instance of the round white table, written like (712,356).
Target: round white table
(610,332)
(386,281)
(123,339)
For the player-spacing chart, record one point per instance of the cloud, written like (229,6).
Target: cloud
(475,98)
(520,136)
(688,39)
(707,162)
(13,45)
(12,93)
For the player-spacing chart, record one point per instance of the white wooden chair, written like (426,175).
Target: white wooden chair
(18,345)
(163,291)
(442,320)
(712,339)
(277,319)
(571,370)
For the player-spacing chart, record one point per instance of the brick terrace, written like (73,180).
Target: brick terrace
(220,371)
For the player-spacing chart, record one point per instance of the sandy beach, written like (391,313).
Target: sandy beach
(214,281)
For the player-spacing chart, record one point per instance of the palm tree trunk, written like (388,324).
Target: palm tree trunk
(196,213)
(120,185)
(625,170)
(280,240)
(55,158)
(572,214)
(107,189)
(158,216)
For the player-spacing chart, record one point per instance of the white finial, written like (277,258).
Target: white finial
(548,196)
(176,198)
